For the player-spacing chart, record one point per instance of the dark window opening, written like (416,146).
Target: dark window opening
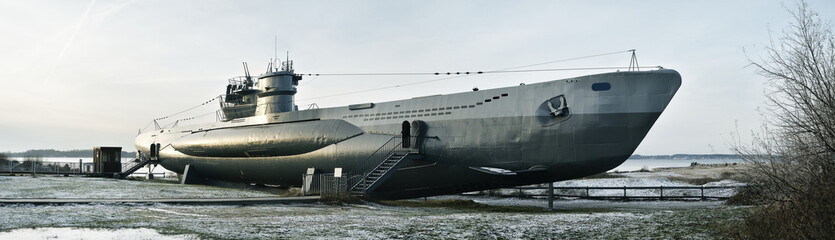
(604,86)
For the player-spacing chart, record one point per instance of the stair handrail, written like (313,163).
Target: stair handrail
(131,163)
(135,164)
(389,157)
(366,166)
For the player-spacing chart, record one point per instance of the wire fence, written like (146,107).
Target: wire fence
(37,167)
(64,168)
(331,186)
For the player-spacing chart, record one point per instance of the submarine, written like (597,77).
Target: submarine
(424,146)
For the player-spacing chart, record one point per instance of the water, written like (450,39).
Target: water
(638,164)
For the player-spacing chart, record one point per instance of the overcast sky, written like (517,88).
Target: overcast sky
(78,74)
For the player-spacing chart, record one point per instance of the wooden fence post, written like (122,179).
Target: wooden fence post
(662,191)
(624,192)
(551,196)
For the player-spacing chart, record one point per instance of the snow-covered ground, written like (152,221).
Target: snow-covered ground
(573,218)
(84,187)
(367,221)
(86,233)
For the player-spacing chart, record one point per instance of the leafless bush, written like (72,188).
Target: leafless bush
(793,157)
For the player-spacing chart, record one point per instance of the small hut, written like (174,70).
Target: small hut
(107,160)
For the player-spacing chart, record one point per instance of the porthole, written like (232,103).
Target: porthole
(603,86)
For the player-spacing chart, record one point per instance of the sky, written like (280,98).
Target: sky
(79,74)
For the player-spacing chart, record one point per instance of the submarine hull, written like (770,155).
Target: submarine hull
(535,133)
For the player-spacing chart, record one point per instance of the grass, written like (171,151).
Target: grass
(431,219)
(470,205)
(694,181)
(604,175)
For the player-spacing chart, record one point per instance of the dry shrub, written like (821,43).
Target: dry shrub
(792,173)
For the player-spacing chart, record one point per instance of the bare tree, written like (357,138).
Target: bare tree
(793,158)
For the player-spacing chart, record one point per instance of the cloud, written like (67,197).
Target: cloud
(69,42)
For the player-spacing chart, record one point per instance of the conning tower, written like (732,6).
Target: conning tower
(278,89)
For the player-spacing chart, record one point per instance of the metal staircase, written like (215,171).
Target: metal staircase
(376,177)
(380,165)
(132,166)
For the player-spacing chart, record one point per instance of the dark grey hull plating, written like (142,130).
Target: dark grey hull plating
(506,128)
